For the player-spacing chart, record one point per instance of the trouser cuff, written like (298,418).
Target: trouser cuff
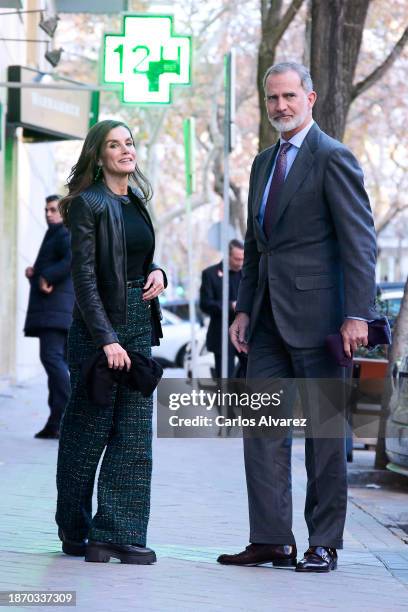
(263,538)
(320,541)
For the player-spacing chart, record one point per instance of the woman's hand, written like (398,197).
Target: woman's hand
(154,285)
(117,356)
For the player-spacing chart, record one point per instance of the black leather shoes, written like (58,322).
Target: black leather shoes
(48,433)
(101,552)
(318,559)
(72,547)
(280,555)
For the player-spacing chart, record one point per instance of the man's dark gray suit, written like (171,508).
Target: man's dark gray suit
(316,269)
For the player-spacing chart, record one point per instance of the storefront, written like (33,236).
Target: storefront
(40,111)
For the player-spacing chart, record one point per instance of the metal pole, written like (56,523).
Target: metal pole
(189,149)
(19,85)
(228,145)
(30,40)
(225,278)
(191,297)
(24,12)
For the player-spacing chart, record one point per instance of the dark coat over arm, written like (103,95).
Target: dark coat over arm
(51,310)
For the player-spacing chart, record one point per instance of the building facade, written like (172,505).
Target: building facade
(33,118)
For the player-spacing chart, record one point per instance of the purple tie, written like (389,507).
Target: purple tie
(276,185)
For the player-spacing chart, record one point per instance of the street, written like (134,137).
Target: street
(199,510)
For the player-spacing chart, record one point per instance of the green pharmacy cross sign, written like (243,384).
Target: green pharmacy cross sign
(147,59)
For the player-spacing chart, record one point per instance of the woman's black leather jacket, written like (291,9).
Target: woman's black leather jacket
(99,263)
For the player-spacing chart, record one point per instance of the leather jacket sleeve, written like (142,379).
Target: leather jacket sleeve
(82,226)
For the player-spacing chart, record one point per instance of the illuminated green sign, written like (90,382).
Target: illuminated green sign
(147,59)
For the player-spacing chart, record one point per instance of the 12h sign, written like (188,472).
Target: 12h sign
(148,59)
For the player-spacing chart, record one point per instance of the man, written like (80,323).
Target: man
(309,271)
(211,302)
(49,314)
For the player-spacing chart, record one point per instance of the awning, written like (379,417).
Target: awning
(91,6)
(50,114)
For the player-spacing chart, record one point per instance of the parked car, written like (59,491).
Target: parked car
(388,303)
(176,337)
(369,370)
(181,308)
(396,441)
(389,297)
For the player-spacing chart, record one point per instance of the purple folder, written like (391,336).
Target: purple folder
(379,332)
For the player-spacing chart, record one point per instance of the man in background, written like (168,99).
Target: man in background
(211,302)
(49,314)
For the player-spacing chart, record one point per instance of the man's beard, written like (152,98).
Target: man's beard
(282,125)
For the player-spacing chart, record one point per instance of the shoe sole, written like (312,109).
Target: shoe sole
(46,437)
(104,555)
(317,571)
(74,550)
(275,563)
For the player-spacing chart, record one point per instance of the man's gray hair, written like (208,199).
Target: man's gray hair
(302,71)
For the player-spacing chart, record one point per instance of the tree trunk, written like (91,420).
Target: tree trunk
(337,29)
(273,26)
(270,16)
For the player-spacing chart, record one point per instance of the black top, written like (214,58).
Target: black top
(139,237)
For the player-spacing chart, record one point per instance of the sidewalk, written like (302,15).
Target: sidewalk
(198,510)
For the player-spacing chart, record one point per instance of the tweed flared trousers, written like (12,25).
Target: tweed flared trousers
(123,430)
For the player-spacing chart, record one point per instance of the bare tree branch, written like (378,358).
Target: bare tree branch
(379,72)
(196,202)
(391,213)
(212,19)
(395,160)
(285,21)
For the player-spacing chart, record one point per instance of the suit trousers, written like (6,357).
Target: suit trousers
(53,355)
(122,431)
(268,460)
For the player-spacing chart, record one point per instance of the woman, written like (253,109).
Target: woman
(116,288)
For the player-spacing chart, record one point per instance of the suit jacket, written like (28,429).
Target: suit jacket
(319,262)
(211,302)
(51,310)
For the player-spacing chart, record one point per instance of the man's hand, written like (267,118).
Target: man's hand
(238,331)
(117,356)
(154,285)
(29,272)
(355,334)
(45,287)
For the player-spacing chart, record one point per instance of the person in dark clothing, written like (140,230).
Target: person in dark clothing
(211,302)
(116,311)
(49,314)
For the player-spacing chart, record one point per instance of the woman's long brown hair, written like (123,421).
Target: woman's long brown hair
(85,171)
